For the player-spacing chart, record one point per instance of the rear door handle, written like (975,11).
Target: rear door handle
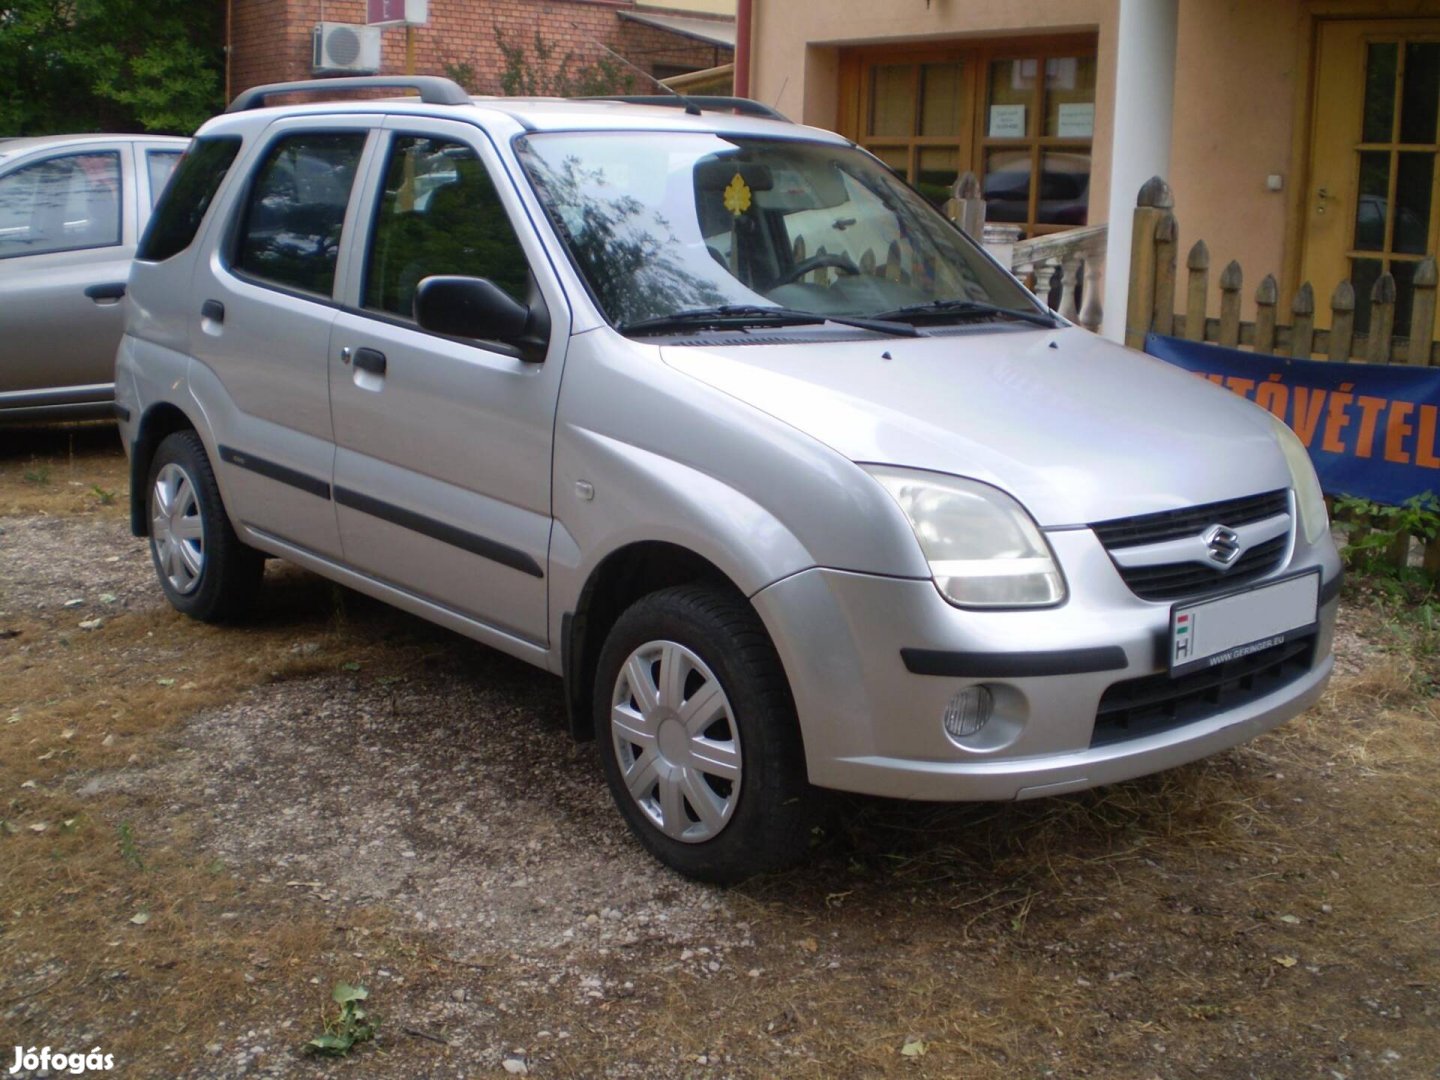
(213,310)
(110,290)
(370,360)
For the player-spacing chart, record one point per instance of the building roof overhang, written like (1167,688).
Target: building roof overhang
(718,32)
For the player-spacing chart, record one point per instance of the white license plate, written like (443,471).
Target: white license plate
(1205,633)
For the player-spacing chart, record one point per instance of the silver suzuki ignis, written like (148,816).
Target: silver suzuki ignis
(714,417)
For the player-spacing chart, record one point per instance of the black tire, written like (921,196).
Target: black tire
(217,576)
(770,807)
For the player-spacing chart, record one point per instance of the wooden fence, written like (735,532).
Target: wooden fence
(1154,286)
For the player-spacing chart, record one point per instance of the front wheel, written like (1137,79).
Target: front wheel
(698,736)
(204,568)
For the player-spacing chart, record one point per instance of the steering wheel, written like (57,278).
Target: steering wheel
(815,262)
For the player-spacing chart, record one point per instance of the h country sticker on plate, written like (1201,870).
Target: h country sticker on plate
(1205,633)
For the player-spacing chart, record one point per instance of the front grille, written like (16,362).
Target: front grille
(1139,707)
(1172,581)
(1173,524)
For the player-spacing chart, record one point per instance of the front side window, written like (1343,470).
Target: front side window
(293,216)
(63,203)
(440,214)
(667,223)
(186,197)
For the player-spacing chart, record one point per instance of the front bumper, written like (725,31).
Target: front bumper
(872,721)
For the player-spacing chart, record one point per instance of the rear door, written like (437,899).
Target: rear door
(67,234)
(443,447)
(262,306)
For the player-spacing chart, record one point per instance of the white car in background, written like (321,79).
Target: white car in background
(72,208)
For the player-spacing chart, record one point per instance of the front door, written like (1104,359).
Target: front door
(442,464)
(1373,202)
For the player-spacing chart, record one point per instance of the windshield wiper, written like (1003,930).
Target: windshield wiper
(964,308)
(726,316)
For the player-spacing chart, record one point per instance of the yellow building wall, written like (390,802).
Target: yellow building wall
(1243,83)
(796,50)
(1239,71)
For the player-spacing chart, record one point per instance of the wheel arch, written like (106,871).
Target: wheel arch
(160,420)
(620,579)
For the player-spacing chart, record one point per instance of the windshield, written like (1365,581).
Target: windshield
(666,223)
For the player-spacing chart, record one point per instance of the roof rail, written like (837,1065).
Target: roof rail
(433,89)
(743,106)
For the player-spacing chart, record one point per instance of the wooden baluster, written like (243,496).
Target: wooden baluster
(1382,320)
(1197,291)
(1167,236)
(1302,313)
(1231,278)
(966,206)
(1342,321)
(1154,201)
(1422,313)
(1267,296)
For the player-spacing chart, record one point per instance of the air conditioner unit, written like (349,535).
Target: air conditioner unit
(346,47)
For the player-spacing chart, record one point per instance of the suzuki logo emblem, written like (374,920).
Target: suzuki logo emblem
(1224,544)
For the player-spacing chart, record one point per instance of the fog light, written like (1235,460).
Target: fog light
(968,712)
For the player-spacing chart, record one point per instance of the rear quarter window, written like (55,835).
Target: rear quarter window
(188,195)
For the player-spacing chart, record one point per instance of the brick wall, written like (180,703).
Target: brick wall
(270,39)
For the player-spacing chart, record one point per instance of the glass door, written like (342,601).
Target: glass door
(1374,200)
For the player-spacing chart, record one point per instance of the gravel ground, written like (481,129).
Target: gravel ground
(452,799)
(455,799)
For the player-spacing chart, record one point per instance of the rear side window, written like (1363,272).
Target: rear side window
(161,164)
(187,196)
(63,203)
(290,232)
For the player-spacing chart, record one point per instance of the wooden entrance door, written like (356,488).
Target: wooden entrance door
(1373,202)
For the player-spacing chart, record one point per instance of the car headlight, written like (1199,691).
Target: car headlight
(1309,498)
(983,549)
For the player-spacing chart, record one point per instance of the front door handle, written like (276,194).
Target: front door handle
(213,310)
(370,360)
(110,290)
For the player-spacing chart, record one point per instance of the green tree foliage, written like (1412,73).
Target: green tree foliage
(542,71)
(109,65)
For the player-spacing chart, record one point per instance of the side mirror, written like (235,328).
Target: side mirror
(469,307)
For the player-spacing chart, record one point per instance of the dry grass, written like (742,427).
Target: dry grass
(69,469)
(1270,912)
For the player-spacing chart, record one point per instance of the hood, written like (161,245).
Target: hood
(1077,428)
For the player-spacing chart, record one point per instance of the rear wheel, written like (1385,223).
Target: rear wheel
(204,568)
(698,736)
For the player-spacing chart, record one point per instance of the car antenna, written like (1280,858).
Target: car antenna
(691,108)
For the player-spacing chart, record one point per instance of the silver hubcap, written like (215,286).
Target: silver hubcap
(176,530)
(676,741)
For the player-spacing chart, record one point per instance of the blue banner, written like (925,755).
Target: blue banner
(1373,430)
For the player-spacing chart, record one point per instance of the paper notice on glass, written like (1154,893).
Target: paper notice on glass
(1077,120)
(1007,121)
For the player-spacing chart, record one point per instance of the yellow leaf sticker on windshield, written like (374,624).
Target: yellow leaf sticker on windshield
(737,196)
